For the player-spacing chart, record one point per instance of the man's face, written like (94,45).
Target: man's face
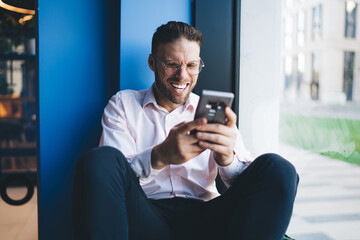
(173,91)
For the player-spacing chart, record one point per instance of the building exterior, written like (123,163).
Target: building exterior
(321,50)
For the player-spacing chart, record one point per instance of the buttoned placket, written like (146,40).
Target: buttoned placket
(170,122)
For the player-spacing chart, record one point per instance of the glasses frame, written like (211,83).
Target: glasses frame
(201,66)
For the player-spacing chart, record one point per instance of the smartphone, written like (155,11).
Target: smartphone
(212,105)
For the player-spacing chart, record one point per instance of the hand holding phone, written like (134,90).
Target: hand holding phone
(219,139)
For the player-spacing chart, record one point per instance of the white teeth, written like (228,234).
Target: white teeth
(179,86)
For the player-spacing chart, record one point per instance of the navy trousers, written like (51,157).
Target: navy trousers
(109,203)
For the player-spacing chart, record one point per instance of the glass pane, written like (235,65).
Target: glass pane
(319,128)
(18,128)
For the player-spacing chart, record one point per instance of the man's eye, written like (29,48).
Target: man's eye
(192,65)
(172,65)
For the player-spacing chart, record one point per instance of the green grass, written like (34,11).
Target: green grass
(336,138)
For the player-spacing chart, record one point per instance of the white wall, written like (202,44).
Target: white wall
(260,74)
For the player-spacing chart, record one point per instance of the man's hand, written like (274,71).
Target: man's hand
(179,146)
(219,138)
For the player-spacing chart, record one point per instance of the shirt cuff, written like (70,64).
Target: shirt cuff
(141,164)
(230,172)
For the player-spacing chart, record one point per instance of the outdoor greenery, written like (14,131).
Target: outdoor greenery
(332,137)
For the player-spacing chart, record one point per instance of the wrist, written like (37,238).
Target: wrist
(223,162)
(156,160)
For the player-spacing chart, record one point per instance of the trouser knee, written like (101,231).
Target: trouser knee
(280,173)
(100,162)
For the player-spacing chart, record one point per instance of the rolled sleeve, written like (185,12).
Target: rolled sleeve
(242,160)
(117,134)
(230,172)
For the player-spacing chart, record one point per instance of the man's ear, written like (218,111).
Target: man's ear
(151,62)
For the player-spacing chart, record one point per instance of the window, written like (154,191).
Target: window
(288,32)
(300,68)
(300,38)
(317,22)
(288,65)
(349,58)
(350,19)
(320,102)
(314,88)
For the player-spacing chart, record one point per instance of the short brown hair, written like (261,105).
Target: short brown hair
(172,31)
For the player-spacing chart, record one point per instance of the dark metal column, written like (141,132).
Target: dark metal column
(219,21)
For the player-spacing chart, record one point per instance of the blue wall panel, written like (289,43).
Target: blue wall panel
(79,59)
(73,90)
(139,20)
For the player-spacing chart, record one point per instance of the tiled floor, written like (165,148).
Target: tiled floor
(327,205)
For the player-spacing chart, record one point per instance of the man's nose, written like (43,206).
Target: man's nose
(182,72)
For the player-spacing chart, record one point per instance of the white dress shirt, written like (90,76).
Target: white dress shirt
(134,123)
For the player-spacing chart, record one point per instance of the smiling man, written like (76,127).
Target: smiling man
(173,85)
(151,179)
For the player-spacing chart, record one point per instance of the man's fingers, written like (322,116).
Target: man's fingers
(221,149)
(214,138)
(231,116)
(177,126)
(185,128)
(218,129)
(195,149)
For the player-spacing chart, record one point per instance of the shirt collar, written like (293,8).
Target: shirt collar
(190,104)
(149,98)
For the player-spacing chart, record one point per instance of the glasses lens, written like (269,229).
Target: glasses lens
(193,68)
(171,70)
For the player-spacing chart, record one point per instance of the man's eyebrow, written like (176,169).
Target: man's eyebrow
(168,60)
(171,60)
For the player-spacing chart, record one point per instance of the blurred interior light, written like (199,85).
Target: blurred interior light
(16,9)
(24,19)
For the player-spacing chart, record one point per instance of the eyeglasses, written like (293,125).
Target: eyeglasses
(172,67)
